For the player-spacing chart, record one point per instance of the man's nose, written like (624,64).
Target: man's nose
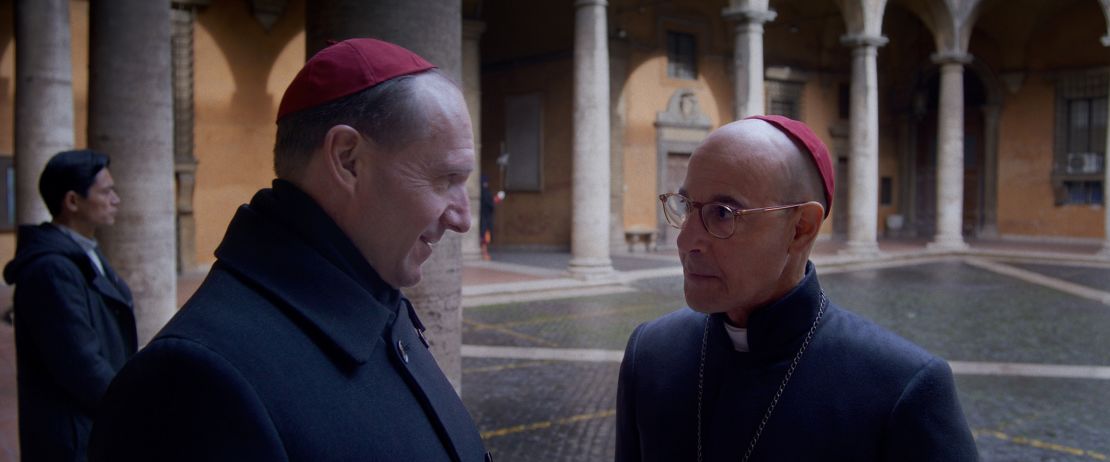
(693,235)
(457,216)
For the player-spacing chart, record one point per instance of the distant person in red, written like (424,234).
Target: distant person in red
(74,325)
(299,345)
(489,202)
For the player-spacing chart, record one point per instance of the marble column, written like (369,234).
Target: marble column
(131,119)
(747,59)
(950,153)
(863,162)
(43,98)
(472,91)
(590,196)
(438,297)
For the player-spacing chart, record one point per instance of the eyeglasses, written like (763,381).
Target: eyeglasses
(717,218)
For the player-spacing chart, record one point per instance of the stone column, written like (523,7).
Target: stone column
(590,197)
(438,297)
(472,91)
(747,59)
(950,153)
(43,98)
(131,119)
(863,162)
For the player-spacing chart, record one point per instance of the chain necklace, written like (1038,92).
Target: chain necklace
(778,394)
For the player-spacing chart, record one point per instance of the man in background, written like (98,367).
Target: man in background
(74,324)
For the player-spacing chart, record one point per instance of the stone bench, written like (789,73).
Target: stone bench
(640,234)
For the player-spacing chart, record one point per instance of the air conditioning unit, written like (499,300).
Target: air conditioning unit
(1084,162)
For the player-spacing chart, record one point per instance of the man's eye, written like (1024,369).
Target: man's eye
(719,212)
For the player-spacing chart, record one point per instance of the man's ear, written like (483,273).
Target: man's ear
(341,155)
(69,201)
(809,218)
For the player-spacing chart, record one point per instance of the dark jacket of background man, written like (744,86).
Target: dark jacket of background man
(74,329)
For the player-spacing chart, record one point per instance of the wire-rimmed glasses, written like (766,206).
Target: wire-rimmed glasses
(717,218)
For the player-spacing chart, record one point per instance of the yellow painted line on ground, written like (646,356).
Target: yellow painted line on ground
(547,424)
(496,328)
(506,366)
(1032,442)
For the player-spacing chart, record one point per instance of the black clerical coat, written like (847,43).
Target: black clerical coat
(293,348)
(860,393)
(74,328)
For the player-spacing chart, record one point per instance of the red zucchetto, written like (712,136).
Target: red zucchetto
(817,149)
(346,68)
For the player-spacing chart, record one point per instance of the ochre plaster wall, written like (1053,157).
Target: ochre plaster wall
(7,108)
(1025,197)
(540,219)
(241,71)
(647,93)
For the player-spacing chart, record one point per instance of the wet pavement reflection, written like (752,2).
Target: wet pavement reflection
(562,409)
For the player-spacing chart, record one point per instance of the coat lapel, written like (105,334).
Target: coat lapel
(110,285)
(442,404)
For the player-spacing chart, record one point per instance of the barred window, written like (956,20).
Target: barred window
(1080,158)
(784,98)
(682,57)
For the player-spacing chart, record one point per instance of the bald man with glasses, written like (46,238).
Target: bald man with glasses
(762,366)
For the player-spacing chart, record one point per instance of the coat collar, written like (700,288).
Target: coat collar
(286,244)
(109,284)
(779,327)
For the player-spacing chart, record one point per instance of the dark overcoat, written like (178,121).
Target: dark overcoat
(74,329)
(859,393)
(293,348)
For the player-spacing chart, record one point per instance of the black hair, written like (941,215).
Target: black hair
(70,171)
(387,113)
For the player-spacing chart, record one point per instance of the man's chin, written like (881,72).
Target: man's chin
(410,280)
(701,306)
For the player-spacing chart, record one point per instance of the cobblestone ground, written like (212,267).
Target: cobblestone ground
(557,410)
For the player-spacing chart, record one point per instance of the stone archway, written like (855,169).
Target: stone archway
(678,130)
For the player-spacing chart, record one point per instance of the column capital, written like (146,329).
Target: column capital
(748,15)
(472,29)
(863,40)
(582,3)
(951,57)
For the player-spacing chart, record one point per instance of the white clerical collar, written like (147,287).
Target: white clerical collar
(739,337)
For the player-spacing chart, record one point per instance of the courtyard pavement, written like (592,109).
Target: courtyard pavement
(1025,327)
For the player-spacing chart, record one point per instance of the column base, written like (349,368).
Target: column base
(861,249)
(591,269)
(1105,252)
(947,244)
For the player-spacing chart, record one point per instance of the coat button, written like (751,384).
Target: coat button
(403,350)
